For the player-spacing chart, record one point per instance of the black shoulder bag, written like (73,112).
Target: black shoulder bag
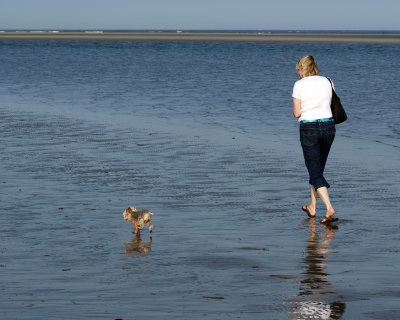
(338,113)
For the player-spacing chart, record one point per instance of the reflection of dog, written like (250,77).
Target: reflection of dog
(138,246)
(138,218)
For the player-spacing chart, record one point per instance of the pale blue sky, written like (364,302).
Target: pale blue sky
(201,14)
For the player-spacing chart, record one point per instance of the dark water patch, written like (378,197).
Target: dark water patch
(253,248)
(214,297)
(222,262)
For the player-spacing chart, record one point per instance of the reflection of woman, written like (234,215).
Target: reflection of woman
(317,300)
(312,96)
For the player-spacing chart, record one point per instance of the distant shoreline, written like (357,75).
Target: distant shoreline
(391,38)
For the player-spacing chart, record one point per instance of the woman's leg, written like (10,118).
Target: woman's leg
(328,135)
(310,135)
(314,196)
(312,206)
(324,195)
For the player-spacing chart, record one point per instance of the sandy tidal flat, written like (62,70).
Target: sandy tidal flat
(200,36)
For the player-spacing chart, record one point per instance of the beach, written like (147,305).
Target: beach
(202,135)
(204,36)
(227,243)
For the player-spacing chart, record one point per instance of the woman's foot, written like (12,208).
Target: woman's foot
(329,216)
(310,213)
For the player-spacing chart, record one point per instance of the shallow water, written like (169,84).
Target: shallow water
(226,184)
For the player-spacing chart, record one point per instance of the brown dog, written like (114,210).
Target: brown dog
(138,218)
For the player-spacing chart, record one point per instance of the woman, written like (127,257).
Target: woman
(312,96)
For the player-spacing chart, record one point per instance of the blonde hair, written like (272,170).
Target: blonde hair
(307,66)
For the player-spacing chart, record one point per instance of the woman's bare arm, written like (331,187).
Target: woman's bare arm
(296,107)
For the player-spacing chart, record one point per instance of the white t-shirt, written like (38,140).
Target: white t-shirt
(315,93)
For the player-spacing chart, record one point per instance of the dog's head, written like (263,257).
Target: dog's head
(127,214)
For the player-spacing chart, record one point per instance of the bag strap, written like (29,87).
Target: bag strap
(330,82)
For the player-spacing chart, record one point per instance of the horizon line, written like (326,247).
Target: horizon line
(258,36)
(195,29)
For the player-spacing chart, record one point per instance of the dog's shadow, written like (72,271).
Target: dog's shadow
(138,246)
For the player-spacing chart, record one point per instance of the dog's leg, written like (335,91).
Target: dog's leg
(150,226)
(135,227)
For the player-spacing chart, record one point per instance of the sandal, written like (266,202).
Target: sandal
(305,209)
(329,219)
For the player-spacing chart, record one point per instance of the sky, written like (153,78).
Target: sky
(200,14)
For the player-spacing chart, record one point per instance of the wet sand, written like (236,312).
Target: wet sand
(229,240)
(202,36)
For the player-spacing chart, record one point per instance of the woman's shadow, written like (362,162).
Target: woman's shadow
(317,299)
(138,246)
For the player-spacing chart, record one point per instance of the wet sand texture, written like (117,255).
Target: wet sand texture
(227,242)
(230,240)
(187,36)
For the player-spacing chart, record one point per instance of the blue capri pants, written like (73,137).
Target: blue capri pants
(316,140)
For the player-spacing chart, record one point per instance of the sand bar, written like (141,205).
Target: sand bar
(198,36)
